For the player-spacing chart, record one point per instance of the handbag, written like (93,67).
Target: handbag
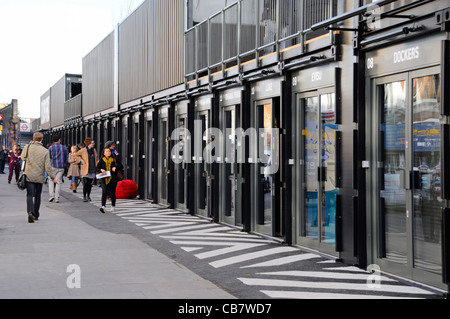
(22,182)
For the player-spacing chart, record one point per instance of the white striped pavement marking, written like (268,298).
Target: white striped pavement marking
(217,232)
(143,213)
(233,247)
(217,237)
(349,268)
(322,296)
(325,275)
(284,260)
(171,230)
(191,249)
(168,224)
(327,262)
(250,256)
(151,219)
(146,211)
(333,285)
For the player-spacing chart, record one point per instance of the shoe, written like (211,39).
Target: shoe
(89,199)
(9,182)
(57,201)
(30,218)
(51,199)
(113,209)
(85,199)
(102,209)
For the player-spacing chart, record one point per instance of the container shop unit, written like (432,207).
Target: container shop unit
(150,61)
(249,68)
(230,181)
(53,104)
(402,117)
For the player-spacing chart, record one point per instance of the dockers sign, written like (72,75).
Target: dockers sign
(404,57)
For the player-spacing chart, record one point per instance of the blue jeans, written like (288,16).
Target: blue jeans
(34,191)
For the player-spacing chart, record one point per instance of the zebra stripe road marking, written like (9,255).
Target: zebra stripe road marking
(284,294)
(284,260)
(333,286)
(212,242)
(242,258)
(325,275)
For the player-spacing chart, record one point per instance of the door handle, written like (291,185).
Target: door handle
(417,179)
(321,174)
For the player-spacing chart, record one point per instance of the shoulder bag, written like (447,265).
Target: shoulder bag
(22,182)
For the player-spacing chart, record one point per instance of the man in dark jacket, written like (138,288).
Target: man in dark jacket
(3,158)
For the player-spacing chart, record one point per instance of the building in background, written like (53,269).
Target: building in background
(10,126)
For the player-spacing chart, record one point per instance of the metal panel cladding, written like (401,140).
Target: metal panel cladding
(98,77)
(57,100)
(45,110)
(151,49)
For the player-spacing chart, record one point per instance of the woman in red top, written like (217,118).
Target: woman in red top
(14,163)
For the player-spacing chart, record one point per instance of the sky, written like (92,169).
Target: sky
(41,40)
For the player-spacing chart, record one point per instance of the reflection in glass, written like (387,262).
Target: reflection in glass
(392,191)
(329,128)
(427,165)
(163,159)
(311,138)
(320,168)
(267,179)
(180,172)
(230,178)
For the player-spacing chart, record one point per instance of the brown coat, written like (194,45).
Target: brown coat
(85,161)
(74,168)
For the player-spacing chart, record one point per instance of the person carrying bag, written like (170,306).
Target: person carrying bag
(37,162)
(22,182)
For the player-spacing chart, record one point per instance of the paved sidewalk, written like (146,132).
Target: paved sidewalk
(35,259)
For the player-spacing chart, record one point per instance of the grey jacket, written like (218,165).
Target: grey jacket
(38,161)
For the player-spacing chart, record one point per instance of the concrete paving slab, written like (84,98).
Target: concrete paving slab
(35,259)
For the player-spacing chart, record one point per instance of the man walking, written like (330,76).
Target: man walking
(38,161)
(58,158)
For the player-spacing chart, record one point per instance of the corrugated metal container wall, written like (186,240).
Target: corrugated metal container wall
(151,49)
(98,77)
(72,108)
(57,100)
(45,111)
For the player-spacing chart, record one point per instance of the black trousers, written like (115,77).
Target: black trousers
(87,186)
(2,166)
(110,190)
(34,191)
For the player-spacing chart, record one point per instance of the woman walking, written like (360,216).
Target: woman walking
(89,160)
(74,168)
(108,166)
(14,163)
